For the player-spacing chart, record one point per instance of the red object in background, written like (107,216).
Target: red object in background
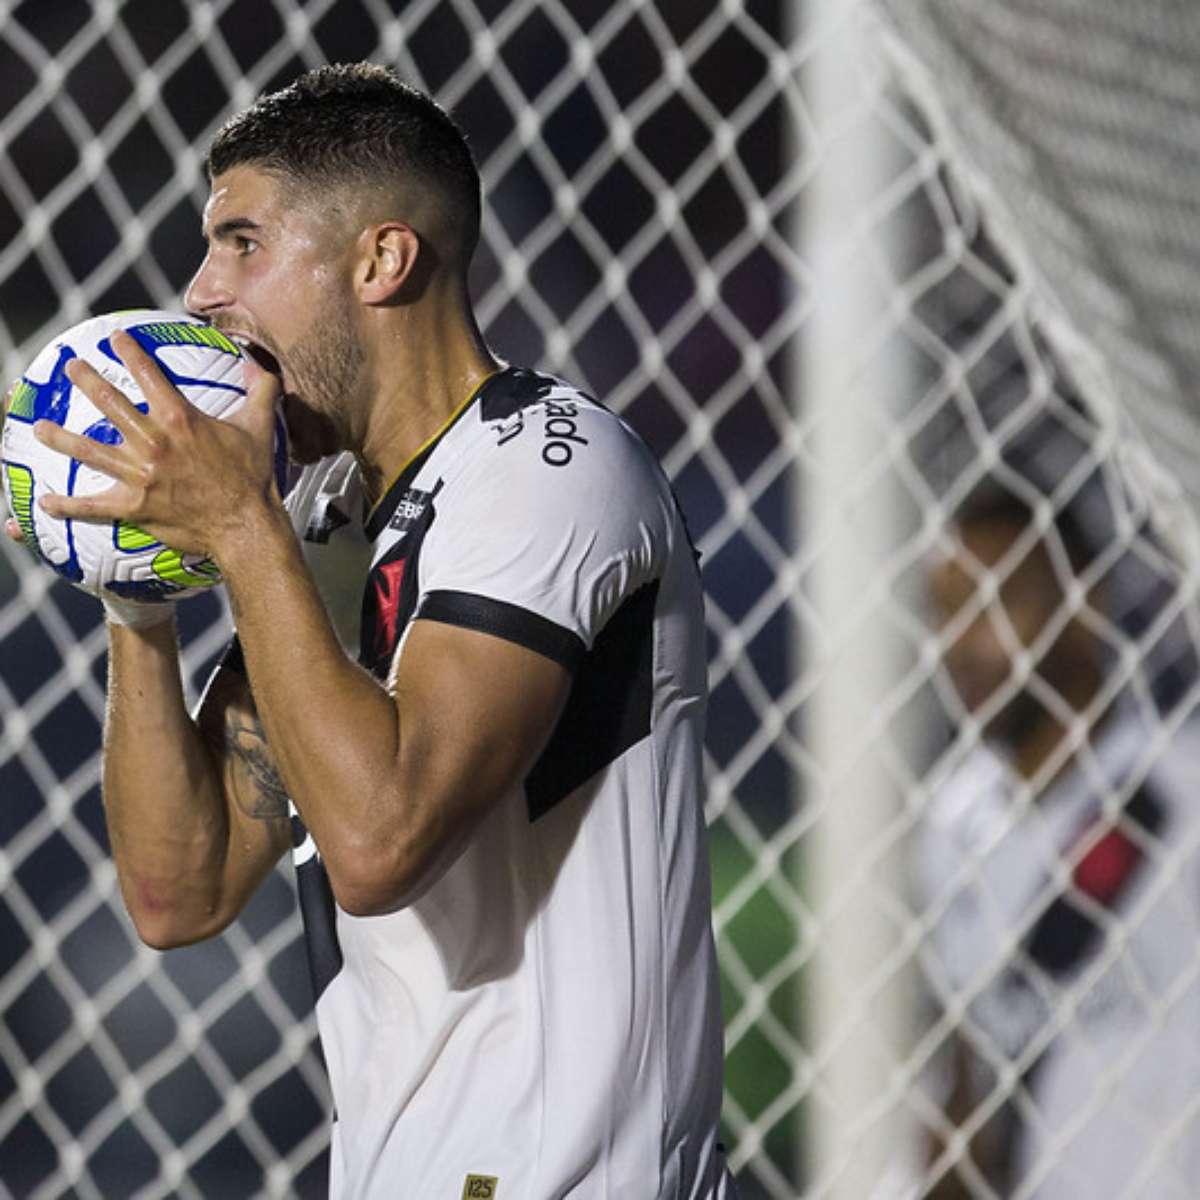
(1106,866)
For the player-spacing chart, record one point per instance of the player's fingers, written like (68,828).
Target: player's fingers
(132,423)
(257,415)
(106,459)
(162,395)
(13,528)
(100,506)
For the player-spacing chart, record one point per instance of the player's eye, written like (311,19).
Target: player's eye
(245,245)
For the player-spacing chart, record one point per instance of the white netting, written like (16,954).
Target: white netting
(838,263)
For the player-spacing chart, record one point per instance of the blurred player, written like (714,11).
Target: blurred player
(1058,871)
(496,811)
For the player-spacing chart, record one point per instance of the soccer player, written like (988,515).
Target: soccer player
(496,811)
(1060,878)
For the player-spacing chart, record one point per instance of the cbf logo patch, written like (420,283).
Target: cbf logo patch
(480,1187)
(410,510)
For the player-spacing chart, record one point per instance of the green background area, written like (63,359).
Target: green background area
(762,933)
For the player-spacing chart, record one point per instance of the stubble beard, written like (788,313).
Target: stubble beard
(324,369)
(326,365)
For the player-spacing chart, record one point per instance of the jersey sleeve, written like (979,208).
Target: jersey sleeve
(541,538)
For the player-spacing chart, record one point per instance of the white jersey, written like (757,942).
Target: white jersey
(543,1022)
(1115,954)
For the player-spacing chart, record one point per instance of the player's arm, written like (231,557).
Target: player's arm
(390,782)
(195,811)
(196,815)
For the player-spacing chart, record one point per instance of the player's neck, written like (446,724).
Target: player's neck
(427,361)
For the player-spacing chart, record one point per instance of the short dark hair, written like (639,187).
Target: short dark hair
(356,123)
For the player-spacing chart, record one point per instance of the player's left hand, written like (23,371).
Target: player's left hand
(189,479)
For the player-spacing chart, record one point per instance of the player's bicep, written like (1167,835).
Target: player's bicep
(476,710)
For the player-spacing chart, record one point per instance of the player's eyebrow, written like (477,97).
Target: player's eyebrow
(223,230)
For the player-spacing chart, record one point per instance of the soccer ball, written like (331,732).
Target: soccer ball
(113,557)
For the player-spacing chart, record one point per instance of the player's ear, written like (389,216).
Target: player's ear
(388,255)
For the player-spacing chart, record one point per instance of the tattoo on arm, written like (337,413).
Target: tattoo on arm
(245,741)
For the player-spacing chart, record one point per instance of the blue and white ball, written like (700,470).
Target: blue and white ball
(113,557)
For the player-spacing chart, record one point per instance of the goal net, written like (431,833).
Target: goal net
(842,265)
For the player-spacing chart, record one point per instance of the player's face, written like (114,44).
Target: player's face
(276,276)
(983,657)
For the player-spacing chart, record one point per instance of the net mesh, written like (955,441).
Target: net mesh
(672,221)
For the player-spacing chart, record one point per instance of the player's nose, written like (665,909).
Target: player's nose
(206,294)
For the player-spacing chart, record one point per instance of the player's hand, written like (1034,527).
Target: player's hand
(188,479)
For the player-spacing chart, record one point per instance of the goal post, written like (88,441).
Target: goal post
(838,263)
(854,510)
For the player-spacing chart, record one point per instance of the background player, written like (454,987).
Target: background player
(1112,940)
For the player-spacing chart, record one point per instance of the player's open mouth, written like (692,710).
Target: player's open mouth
(258,354)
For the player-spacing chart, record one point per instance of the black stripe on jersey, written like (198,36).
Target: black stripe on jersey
(608,709)
(319,915)
(504,620)
(507,393)
(234,659)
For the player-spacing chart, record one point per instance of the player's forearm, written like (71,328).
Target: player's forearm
(332,729)
(163,800)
